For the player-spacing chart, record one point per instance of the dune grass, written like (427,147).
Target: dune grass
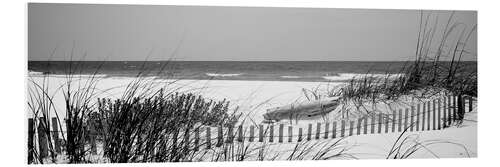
(437,67)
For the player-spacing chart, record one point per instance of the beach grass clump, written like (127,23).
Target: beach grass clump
(159,128)
(79,99)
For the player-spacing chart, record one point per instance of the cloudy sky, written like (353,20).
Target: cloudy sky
(196,33)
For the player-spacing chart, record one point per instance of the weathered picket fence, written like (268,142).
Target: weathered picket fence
(435,114)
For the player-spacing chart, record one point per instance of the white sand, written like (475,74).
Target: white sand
(253,97)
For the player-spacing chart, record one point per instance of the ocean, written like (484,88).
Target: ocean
(227,70)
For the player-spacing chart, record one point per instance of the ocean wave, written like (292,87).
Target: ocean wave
(349,76)
(35,73)
(222,75)
(41,74)
(290,77)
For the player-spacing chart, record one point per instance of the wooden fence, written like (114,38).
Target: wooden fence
(430,115)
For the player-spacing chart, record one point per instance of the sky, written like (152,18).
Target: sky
(89,32)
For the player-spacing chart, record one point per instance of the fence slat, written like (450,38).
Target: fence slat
(186,139)
(290,134)
(461,108)
(300,135)
(327,129)
(445,120)
(334,129)
(387,124)
(42,138)
(434,114)
(261,133)
(240,133)
(379,123)
(208,138)
(230,135)
(470,104)
(318,130)
(406,119)
(271,133)
(309,131)
(400,119)
(196,139)
(31,134)
(454,107)
(280,134)
(429,115)
(220,137)
(394,121)
(358,128)
(55,135)
(365,130)
(417,121)
(342,128)
(372,125)
(423,116)
(351,127)
(412,118)
(449,110)
(92,136)
(439,114)
(250,138)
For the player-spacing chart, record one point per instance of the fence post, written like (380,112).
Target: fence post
(261,133)
(240,133)
(219,137)
(42,138)
(379,123)
(327,128)
(300,135)
(470,104)
(209,138)
(358,128)
(429,115)
(290,134)
(250,138)
(439,114)
(406,119)
(309,131)
(400,119)
(31,134)
(417,121)
(351,128)
(334,130)
(342,128)
(271,133)
(196,138)
(372,125)
(280,134)
(393,121)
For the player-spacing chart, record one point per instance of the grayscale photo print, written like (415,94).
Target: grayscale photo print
(118,83)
